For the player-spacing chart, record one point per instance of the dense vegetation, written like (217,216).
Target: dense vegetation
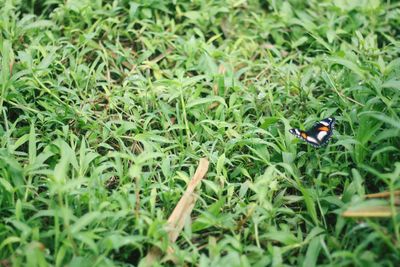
(103,101)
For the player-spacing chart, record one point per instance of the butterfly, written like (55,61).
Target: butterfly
(319,134)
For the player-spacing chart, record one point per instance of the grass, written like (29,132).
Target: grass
(104,100)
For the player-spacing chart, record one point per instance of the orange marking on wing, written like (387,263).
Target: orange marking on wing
(304,135)
(323,128)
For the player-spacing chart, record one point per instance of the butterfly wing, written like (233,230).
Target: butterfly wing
(319,134)
(304,136)
(322,131)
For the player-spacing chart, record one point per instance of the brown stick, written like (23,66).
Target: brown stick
(385,194)
(378,211)
(159,57)
(181,212)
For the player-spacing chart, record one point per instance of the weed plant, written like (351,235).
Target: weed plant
(103,100)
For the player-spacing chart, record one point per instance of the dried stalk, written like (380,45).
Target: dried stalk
(179,215)
(377,211)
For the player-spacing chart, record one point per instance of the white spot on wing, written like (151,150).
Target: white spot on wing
(312,140)
(321,135)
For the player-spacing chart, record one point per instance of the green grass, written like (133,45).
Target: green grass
(103,99)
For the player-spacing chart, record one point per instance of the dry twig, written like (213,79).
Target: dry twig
(179,215)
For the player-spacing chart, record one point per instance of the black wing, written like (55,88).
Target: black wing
(321,132)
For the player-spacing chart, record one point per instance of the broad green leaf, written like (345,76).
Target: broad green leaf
(206,100)
(312,252)
(348,64)
(84,221)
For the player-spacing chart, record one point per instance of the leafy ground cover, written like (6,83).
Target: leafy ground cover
(107,106)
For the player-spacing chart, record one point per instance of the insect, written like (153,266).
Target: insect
(319,134)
